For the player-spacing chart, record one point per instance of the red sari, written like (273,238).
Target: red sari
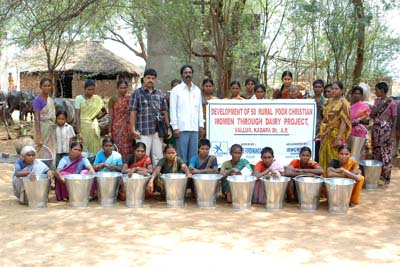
(121,131)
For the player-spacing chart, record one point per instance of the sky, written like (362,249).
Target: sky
(393,21)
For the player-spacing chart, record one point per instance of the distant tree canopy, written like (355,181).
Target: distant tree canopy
(330,39)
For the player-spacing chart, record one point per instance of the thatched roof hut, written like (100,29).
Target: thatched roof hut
(84,59)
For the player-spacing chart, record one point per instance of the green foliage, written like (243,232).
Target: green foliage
(313,38)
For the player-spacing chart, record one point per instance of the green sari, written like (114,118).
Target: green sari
(90,130)
(227,165)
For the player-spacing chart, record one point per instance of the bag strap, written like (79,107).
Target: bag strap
(141,91)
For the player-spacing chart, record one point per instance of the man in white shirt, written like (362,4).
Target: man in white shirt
(186,115)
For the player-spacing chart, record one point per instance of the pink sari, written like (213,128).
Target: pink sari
(61,188)
(359,110)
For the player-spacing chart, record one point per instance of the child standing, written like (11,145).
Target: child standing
(64,133)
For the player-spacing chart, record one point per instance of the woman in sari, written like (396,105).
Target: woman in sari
(235,91)
(235,166)
(283,92)
(139,163)
(203,162)
(27,166)
(107,159)
(267,166)
(171,163)
(74,163)
(88,108)
(384,114)
(335,126)
(118,124)
(359,112)
(347,167)
(45,117)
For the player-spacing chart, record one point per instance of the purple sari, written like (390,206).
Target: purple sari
(61,188)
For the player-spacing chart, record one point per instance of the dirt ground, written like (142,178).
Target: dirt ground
(369,235)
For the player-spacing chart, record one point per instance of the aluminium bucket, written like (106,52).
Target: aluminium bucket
(135,189)
(275,191)
(308,191)
(372,172)
(356,144)
(107,183)
(242,187)
(37,191)
(339,194)
(206,186)
(78,186)
(175,189)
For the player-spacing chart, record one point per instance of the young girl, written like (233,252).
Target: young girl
(207,95)
(302,166)
(347,167)
(64,133)
(203,162)
(235,166)
(267,166)
(171,163)
(107,159)
(259,92)
(235,90)
(74,163)
(250,83)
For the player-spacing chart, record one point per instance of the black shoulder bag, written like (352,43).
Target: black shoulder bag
(161,126)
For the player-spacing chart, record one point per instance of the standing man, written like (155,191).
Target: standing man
(186,114)
(146,103)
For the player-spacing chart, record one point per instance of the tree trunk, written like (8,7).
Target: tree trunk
(359,8)
(52,77)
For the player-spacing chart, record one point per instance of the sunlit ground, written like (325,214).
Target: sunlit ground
(369,235)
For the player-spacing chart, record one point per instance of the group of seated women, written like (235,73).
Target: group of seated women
(109,160)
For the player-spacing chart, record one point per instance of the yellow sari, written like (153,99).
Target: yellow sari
(90,130)
(334,112)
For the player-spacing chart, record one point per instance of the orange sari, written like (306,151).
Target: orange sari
(352,165)
(121,131)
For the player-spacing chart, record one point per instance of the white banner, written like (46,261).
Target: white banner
(284,125)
